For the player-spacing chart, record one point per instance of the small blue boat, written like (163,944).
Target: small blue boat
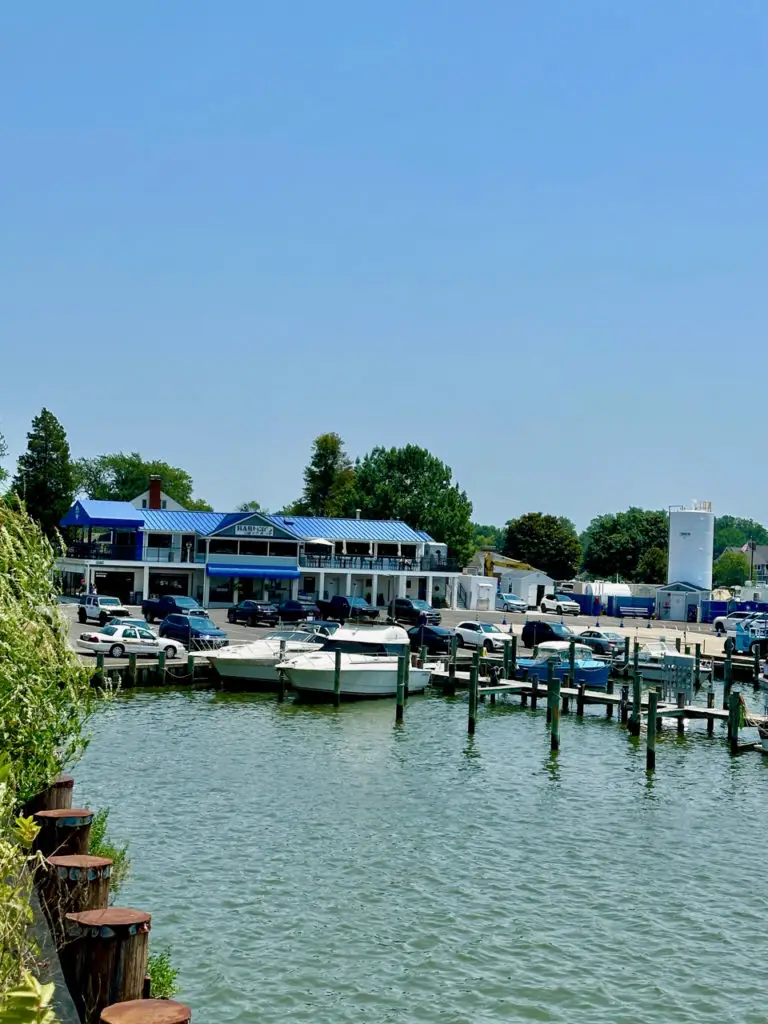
(594,674)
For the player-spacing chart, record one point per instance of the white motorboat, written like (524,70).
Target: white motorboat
(253,665)
(369,656)
(656,661)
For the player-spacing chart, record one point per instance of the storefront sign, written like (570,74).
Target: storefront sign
(252,530)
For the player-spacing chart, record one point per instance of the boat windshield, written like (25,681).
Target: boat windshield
(294,636)
(361,647)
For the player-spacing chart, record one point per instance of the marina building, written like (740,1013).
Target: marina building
(138,549)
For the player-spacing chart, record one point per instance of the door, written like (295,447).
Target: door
(677,607)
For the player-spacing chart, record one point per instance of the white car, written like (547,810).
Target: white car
(481,634)
(96,606)
(728,623)
(560,603)
(118,641)
(511,603)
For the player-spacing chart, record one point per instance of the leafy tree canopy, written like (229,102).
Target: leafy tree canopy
(329,481)
(121,477)
(488,536)
(45,478)
(613,544)
(547,542)
(652,566)
(731,569)
(734,532)
(413,485)
(250,506)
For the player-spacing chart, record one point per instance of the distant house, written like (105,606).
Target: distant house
(156,498)
(758,559)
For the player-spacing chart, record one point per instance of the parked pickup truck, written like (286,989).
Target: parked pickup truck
(169,604)
(410,610)
(341,609)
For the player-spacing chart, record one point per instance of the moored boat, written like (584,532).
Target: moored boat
(369,658)
(587,669)
(253,665)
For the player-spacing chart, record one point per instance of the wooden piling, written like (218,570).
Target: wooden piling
(609,704)
(534,692)
(422,656)
(73,884)
(554,734)
(572,659)
(161,675)
(56,797)
(650,750)
(407,676)
(756,666)
(727,673)
(105,958)
(400,699)
(132,669)
(147,1011)
(513,657)
(337,679)
(634,721)
(191,667)
(710,720)
(681,720)
(697,671)
(474,676)
(624,705)
(99,675)
(678,644)
(626,652)
(63,832)
(505,659)
(564,696)
(734,720)
(580,700)
(281,686)
(550,689)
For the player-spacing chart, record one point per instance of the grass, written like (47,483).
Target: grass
(162,974)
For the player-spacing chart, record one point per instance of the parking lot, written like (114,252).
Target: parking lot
(635,628)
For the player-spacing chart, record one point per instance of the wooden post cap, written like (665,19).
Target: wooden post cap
(112,919)
(74,864)
(147,1011)
(63,782)
(79,815)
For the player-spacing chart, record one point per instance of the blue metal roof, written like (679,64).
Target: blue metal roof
(182,522)
(385,530)
(88,512)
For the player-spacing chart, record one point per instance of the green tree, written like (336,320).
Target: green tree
(44,475)
(329,480)
(121,477)
(547,542)
(250,506)
(731,569)
(652,566)
(413,485)
(613,544)
(488,536)
(734,532)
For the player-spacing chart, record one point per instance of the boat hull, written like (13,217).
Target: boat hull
(357,682)
(594,675)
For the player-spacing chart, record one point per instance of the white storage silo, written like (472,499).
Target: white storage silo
(691,545)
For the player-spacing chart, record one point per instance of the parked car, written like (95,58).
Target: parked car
(560,603)
(536,631)
(410,610)
(196,632)
(169,604)
(485,635)
(603,641)
(297,611)
(437,639)
(117,641)
(511,603)
(94,606)
(254,613)
(346,608)
(139,623)
(727,623)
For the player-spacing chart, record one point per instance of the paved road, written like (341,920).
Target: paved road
(634,628)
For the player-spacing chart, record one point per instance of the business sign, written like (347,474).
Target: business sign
(252,530)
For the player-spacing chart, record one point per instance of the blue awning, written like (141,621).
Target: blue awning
(263,571)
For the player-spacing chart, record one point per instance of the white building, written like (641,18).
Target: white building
(219,558)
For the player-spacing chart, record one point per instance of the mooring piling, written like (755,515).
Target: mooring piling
(57,796)
(572,659)
(580,700)
(99,673)
(710,719)
(337,679)
(756,665)
(147,1011)
(554,708)
(550,677)
(624,704)
(513,657)
(564,696)
(474,677)
(73,884)
(422,656)
(608,703)
(400,699)
(281,675)
(680,718)
(534,692)
(132,669)
(105,958)
(634,721)
(678,644)
(734,720)
(63,832)
(191,666)
(650,749)
(727,673)
(161,667)
(697,670)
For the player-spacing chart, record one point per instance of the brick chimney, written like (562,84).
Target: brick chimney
(155,490)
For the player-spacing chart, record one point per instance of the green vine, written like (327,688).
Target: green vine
(162,975)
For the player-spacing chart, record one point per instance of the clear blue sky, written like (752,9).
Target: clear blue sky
(528,236)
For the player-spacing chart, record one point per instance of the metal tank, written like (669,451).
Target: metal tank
(691,543)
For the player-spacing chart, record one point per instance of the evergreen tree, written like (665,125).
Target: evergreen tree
(3,453)
(329,480)
(44,476)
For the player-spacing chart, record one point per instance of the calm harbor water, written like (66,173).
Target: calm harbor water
(312,864)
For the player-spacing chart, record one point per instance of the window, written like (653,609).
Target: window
(254,547)
(129,634)
(284,548)
(223,547)
(408,550)
(159,540)
(145,634)
(163,504)
(143,502)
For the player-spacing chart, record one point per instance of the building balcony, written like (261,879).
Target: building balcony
(364,563)
(101,552)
